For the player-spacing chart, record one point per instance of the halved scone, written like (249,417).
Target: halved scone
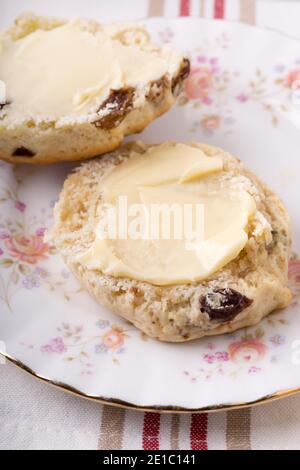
(230,278)
(75,89)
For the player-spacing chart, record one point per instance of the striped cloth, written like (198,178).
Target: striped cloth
(34,416)
(282,15)
(37,416)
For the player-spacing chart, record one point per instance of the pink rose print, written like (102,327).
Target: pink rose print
(201,59)
(292,79)
(20,206)
(55,345)
(113,339)
(242,98)
(1,252)
(219,356)
(294,270)
(210,123)
(40,232)
(222,356)
(209,358)
(29,249)
(248,351)
(199,83)
(294,276)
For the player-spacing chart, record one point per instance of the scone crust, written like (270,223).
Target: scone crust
(45,142)
(173,313)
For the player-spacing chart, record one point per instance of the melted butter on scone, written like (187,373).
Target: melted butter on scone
(67,71)
(172,176)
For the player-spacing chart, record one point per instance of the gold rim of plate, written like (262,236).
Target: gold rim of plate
(154,408)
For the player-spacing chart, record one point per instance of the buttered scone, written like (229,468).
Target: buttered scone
(73,90)
(179,239)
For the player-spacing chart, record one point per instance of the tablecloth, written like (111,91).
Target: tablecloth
(34,415)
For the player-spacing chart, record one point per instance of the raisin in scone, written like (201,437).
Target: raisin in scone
(230,277)
(75,89)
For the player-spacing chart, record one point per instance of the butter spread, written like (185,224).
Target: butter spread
(173,176)
(69,71)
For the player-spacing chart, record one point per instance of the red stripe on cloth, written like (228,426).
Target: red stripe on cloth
(199,431)
(219,9)
(151,431)
(184,9)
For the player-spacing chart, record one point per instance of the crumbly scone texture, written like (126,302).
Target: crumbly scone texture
(255,282)
(125,112)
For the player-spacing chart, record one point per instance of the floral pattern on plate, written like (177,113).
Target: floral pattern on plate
(243,354)
(74,344)
(23,251)
(209,89)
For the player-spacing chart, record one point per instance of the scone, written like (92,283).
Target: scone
(229,276)
(74,89)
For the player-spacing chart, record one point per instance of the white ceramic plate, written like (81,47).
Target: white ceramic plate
(242,96)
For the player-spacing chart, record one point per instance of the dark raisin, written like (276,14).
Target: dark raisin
(180,77)
(224,304)
(156,90)
(117,106)
(275,238)
(6,103)
(23,152)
